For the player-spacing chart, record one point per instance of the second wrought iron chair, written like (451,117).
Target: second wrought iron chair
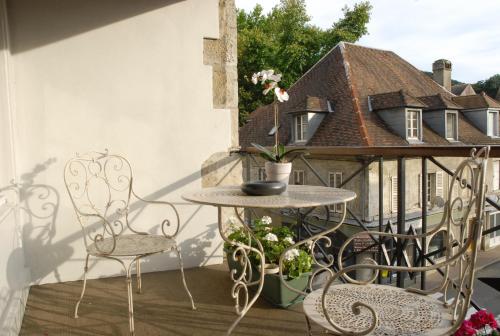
(100,186)
(361,307)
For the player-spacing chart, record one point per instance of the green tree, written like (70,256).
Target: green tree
(490,86)
(284,40)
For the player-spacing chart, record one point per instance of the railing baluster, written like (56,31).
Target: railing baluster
(424,218)
(380,210)
(401,217)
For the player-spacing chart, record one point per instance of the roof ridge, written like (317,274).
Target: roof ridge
(363,46)
(355,100)
(315,64)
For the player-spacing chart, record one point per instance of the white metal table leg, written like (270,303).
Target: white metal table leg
(243,281)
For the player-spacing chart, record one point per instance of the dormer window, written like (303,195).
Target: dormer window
(301,126)
(492,123)
(413,124)
(451,126)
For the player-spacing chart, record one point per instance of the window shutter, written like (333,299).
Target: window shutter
(338,182)
(456,187)
(331,180)
(496,179)
(419,190)
(439,185)
(394,194)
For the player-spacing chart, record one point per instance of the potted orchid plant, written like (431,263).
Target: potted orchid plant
(274,239)
(277,169)
(481,323)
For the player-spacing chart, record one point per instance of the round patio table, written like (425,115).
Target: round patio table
(296,197)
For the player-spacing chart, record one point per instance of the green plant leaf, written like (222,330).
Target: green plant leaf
(268,155)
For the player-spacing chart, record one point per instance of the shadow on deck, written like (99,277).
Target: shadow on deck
(162,309)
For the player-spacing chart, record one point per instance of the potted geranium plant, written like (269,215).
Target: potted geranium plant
(274,239)
(480,323)
(277,169)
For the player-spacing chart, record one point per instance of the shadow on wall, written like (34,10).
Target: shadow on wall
(37,211)
(37,23)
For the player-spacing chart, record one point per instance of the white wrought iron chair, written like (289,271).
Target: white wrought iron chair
(359,307)
(100,188)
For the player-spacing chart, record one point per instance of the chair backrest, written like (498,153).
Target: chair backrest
(463,223)
(100,186)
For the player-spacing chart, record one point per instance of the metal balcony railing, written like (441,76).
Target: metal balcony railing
(388,251)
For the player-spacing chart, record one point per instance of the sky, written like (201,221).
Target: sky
(421,31)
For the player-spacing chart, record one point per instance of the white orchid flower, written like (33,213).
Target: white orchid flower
(266,220)
(289,240)
(255,77)
(266,74)
(281,94)
(269,87)
(271,237)
(291,254)
(275,78)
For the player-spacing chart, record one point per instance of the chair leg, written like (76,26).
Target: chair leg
(183,277)
(86,268)
(139,281)
(308,323)
(130,301)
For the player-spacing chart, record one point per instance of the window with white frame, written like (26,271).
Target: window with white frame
(301,125)
(494,220)
(493,123)
(335,181)
(262,174)
(299,177)
(451,126)
(413,121)
(435,188)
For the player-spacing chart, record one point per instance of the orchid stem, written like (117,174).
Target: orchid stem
(276,134)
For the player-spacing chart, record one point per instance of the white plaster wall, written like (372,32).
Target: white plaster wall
(13,273)
(124,75)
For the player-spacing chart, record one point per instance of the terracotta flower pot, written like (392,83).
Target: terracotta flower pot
(278,171)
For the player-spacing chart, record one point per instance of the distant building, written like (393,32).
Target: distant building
(364,97)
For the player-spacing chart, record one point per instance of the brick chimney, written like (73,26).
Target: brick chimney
(441,70)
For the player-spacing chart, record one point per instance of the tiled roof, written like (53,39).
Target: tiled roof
(478,101)
(312,104)
(439,102)
(390,100)
(347,76)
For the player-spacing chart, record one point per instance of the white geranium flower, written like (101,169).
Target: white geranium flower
(291,254)
(271,237)
(233,220)
(281,94)
(266,220)
(289,240)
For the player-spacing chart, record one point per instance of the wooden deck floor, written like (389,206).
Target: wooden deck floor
(162,308)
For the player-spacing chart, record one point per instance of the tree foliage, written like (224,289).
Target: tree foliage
(490,86)
(286,41)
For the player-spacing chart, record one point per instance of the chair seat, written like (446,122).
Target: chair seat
(400,312)
(133,245)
